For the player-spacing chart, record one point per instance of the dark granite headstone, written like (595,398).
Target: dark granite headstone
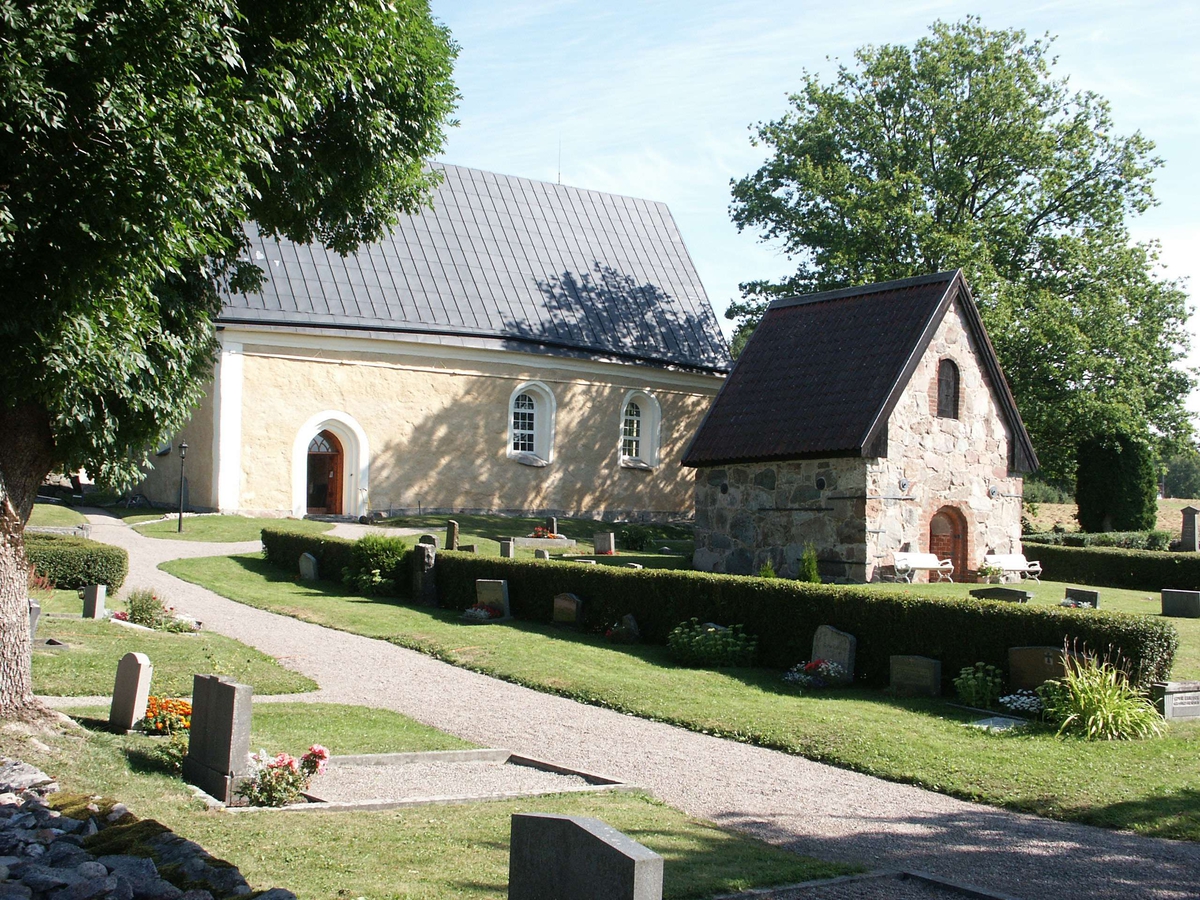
(1031,667)
(1190,542)
(451,535)
(218,757)
(552,524)
(1181,604)
(568,609)
(1081,597)
(429,539)
(424,574)
(1008,595)
(916,676)
(508,549)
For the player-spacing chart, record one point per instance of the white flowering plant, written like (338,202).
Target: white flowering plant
(819,673)
(1024,703)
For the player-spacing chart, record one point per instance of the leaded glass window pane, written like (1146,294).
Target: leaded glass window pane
(631,433)
(523,424)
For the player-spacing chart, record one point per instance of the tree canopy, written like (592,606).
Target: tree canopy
(136,140)
(965,151)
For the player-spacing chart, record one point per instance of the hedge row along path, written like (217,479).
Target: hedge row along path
(805,806)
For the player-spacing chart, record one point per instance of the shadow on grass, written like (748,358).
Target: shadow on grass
(1160,814)
(146,762)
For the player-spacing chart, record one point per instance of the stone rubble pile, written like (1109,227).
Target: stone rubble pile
(44,855)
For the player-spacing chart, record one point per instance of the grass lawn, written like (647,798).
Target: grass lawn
(225,529)
(420,853)
(54,514)
(1149,786)
(89,666)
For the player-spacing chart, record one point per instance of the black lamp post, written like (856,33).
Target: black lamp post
(182,457)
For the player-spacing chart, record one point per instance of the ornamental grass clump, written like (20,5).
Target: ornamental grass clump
(710,646)
(281,779)
(1095,701)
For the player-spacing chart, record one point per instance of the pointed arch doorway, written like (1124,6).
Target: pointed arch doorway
(326,462)
(948,539)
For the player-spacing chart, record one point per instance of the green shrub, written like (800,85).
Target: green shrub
(1095,701)
(1116,484)
(378,565)
(785,614)
(1036,491)
(284,547)
(75,562)
(710,646)
(145,608)
(767,570)
(1146,570)
(635,537)
(1126,540)
(979,685)
(810,571)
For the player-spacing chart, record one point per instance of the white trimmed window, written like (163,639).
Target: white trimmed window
(640,419)
(531,411)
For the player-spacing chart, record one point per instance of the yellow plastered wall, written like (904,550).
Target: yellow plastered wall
(161,484)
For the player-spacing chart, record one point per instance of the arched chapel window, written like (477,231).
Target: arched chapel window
(531,424)
(524,422)
(640,418)
(631,432)
(947,395)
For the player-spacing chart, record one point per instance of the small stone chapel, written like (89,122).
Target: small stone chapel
(863,422)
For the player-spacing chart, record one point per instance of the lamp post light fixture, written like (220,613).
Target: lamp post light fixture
(182,457)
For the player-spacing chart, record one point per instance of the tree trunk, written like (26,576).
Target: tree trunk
(26,456)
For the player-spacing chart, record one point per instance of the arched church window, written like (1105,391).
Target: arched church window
(947,395)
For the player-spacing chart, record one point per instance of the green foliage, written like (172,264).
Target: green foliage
(169,752)
(1038,491)
(1183,474)
(145,608)
(965,150)
(767,570)
(378,565)
(1126,540)
(72,562)
(785,614)
(710,646)
(284,547)
(809,570)
(1116,484)
(635,537)
(980,685)
(1096,702)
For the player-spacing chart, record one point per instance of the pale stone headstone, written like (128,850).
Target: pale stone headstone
(1081,597)
(541,554)
(429,539)
(1031,667)
(424,574)
(916,676)
(130,692)
(554,857)
(508,549)
(568,609)
(218,757)
(552,524)
(93,601)
(1181,604)
(605,542)
(467,548)
(493,592)
(1191,534)
(835,646)
(634,566)
(35,613)
(451,535)
(1177,699)
(309,569)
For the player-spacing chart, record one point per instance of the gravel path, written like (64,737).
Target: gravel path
(343,782)
(792,802)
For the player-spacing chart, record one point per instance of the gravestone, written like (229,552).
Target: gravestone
(1008,595)
(493,592)
(1031,667)
(541,554)
(605,542)
(587,562)
(508,549)
(428,539)
(1191,534)
(555,857)
(634,566)
(218,756)
(568,609)
(467,548)
(93,601)
(1081,597)
(451,535)
(552,524)
(424,574)
(309,569)
(1181,604)
(916,676)
(835,646)
(130,692)
(1177,699)
(35,613)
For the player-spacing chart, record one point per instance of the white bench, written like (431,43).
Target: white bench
(908,564)
(1015,564)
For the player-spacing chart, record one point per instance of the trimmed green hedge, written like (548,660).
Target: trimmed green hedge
(284,547)
(1126,540)
(784,614)
(75,562)
(1148,570)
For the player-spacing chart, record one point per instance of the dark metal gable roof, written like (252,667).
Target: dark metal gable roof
(822,373)
(542,267)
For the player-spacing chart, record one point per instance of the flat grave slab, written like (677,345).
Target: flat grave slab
(545,543)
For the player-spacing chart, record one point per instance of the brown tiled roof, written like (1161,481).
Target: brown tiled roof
(821,374)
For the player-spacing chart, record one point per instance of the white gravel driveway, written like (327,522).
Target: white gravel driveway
(805,806)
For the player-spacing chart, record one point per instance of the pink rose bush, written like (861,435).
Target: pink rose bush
(280,779)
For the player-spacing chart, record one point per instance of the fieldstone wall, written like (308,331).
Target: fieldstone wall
(749,514)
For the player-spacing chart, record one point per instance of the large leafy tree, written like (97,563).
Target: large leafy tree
(964,151)
(136,138)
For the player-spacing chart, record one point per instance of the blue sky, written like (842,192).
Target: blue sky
(655,99)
